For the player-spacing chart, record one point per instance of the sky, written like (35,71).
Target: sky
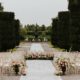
(35,11)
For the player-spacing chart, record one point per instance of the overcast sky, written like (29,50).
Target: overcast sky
(35,11)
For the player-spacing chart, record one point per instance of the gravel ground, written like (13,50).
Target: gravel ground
(24,47)
(47,48)
(9,77)
(71,77)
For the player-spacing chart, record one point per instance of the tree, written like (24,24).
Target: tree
(43,27)
(1,8)
(23,32)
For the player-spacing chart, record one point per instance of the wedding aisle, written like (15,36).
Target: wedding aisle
(40,70)
(36,48)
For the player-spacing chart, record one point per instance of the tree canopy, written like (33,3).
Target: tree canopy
(1,7)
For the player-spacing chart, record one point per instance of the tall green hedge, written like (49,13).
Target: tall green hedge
(64,18)
(75,31)
(74,5)
(66,28)
(17,31)
(9,31)
(54,34)
(7,16)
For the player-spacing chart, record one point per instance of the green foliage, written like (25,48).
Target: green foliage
(6,16)
(17,31)
(38,32)
(43,28)
(1,8)
(23,33)
(54,34)
(66,31)
(60,30)
(9,31)
(74,5)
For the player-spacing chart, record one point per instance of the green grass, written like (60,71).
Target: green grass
(56,48)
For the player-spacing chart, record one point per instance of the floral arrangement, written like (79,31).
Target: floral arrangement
(62,65)
(39,56)
(61,60)
(18,67)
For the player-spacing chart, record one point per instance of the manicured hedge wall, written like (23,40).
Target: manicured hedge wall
(9,31)
(75,31)
(74,5)
(54,34)
(7,16)
(64,18)
(66,31)
(17,31)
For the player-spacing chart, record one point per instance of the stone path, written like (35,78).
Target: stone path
(40,70)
